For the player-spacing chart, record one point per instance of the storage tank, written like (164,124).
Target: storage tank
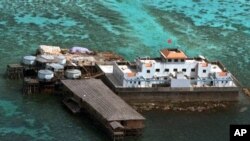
(61,60)
(55,66)
(29,60)
(49,58)
(73,73)
(45,74)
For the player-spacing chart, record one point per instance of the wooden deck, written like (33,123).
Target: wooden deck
(102,99)
(15,71)
(30,86)
(106,107)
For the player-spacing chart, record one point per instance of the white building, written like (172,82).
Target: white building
(173,69)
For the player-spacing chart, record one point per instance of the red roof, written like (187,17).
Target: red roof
(223,73)
(173,54)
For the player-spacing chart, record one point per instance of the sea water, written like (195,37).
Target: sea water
(218,30)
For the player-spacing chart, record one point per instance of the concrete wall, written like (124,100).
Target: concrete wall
(158,95)
(225,81)
(203,71)
(170,66)
(167,94)
(181,83)
(156,77)
(118,73)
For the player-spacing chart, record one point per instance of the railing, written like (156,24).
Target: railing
(169,89)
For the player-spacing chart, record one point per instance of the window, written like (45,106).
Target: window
(175,60)
(139,82)
(182,60)
(169,60)
(157,70)
(204,71)
(166,70)
(175,70)
(148,71)
(184,70)
(222,81)
(192,70)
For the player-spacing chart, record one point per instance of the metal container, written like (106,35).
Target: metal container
(55,66)
(29,60)
(61,60)
(73,73)
(48,57)
(45,74)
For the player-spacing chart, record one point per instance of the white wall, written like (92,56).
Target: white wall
(171,66)
(119,75)
(180,83)
(155,77)
(207,69)
(225,81)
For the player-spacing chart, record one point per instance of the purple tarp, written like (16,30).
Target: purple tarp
(80,50)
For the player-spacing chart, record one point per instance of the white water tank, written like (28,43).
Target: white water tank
(61,59)
(55,66)
(48,57)
(29,60)
(45,74)
(73,73)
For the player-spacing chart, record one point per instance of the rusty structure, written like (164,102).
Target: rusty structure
(58,61)
(30,86)
(15,71)
(74,74)
(246,91)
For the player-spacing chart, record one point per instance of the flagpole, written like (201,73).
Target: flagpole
(169,41)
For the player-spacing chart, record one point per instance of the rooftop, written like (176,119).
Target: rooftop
(215,68)
(96,94)
(106,68)
(126,69)
(173,54)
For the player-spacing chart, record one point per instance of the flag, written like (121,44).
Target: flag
(169,41)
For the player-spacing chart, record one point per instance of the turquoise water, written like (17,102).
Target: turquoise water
(219,30)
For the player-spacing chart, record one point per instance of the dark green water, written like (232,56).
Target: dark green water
(218,30)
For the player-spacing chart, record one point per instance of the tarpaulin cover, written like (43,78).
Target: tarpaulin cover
(80,50)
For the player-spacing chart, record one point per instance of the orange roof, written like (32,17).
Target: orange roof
(173,54)
(131,74)
(223,73)
(148,65)
(204,64)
